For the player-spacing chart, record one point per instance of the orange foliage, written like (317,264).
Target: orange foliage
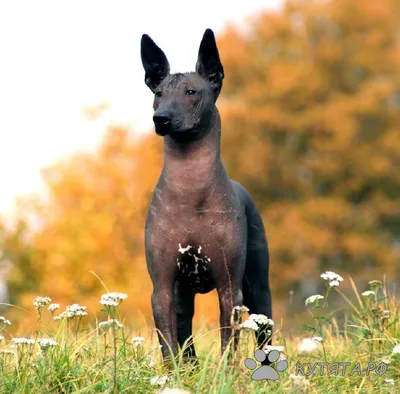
(308,117)
(310,123)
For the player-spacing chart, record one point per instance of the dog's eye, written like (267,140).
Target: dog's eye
(158,94)
(190,92)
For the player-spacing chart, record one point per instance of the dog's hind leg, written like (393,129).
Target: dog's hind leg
(256,291)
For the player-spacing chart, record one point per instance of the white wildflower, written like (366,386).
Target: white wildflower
(118,324)
(269,348)
(40,302)
(249,324)
(74,310)
(46,342)
(396,349)
(23,341)
(154,380)
(4,321)
(137,341)
(375,284)
(108,323)
(261,319)
(53,307)
(386,361)
(60,316)
(159,380)
(156,347)
(313,298)
(318,339)
(104,324)
(241,308)
(368,293)
(385,314)
(80,313)
(334,283)
(307,345)
(6,351)
(112,299)
(331,276)
(389,381)
(1,338)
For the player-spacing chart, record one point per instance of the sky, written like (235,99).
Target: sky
(59,58)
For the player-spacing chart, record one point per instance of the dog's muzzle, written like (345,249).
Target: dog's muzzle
(162,124)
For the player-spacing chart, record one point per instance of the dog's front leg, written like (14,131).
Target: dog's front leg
(164,313)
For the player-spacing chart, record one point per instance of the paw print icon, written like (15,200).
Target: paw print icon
(266,372)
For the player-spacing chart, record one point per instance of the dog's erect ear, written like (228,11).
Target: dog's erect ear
(154,61)
(208,64)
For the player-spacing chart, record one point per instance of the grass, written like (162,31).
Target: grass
(105,359)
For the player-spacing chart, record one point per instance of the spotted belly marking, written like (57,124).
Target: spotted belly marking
(193,269)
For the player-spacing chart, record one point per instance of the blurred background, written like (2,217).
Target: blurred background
(310,126)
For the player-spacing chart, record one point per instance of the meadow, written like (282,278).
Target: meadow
(62,354)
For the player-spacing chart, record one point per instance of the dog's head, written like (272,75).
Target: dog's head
(183,103)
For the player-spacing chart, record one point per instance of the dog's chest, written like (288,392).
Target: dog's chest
(193,268)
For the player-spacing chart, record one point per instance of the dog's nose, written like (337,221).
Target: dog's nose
(161,120)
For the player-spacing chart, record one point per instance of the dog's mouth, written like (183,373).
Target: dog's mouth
(163,129)
(167,128)
(183,136)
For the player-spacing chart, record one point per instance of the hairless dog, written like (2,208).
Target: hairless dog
(203,231)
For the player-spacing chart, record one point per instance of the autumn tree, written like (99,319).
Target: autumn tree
(91,220)
(311,127)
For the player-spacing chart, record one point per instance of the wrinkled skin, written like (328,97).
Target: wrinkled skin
(203,231)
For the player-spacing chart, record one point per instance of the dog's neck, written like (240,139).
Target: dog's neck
(196,162)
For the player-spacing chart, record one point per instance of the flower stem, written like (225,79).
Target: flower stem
(115,358)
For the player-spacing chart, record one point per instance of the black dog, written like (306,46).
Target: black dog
(203,230)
